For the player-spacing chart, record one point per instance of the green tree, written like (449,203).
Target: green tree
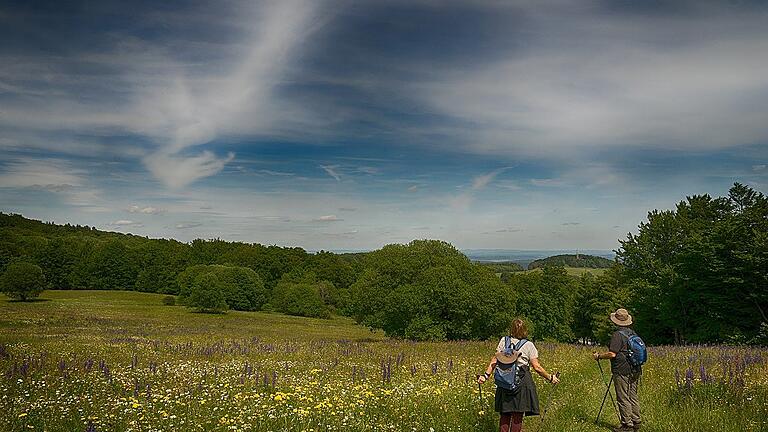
(429,290)
(596,298)
(22,280)
(300,297)
(698,272)
(547,299)
(242,287)
(207,294)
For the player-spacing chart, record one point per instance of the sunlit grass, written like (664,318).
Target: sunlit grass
(123,361)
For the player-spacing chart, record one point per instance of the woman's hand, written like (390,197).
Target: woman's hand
(482,378)
(555,378)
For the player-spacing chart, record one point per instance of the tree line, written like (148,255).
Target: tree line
(572,260)
(695,274)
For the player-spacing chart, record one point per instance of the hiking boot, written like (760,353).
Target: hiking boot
(636,426)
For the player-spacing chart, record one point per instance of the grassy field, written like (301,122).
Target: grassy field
(119,361)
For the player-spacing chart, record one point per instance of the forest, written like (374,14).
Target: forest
(697,273)
(572,260)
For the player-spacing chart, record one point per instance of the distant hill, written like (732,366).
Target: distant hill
(572,260)
(525,257)
(502,266)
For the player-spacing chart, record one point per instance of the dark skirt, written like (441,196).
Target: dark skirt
(526,400)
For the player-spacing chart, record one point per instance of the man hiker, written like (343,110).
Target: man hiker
(626,376)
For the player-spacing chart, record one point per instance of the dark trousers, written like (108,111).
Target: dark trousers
(511,422)
(626,398)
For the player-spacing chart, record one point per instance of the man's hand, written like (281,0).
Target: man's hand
(596,355)
(555,378)
(481,379)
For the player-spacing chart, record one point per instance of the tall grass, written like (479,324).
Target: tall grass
(104,361)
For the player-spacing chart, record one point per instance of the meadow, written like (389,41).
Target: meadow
(121,361)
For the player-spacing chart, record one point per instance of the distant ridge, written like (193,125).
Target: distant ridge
(572,260)
(525,257)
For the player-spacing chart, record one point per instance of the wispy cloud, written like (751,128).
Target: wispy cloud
(178,171)
(482,181)
(463,200)
(145,210)
(188,225)
(125,223)
(331,170)
(51,175)
(328,218)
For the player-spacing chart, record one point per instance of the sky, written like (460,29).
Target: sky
(348,125)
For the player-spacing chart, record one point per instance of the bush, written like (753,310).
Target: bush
(242,287)
(300,299)
(22,280)
(169,300)
(207,294)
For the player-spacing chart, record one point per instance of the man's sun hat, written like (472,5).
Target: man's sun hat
(621,317)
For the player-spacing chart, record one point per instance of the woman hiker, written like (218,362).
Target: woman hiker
(512,405)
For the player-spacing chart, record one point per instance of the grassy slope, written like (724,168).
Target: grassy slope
(75,325)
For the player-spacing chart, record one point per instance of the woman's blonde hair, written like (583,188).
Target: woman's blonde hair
(518,329)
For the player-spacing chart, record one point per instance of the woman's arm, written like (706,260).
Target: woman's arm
(488,371)
(542,372)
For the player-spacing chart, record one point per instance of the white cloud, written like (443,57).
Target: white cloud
(178,171)
(482,181)
(188,225)
(328,218)
(145,210)
(126,223)
(331,170)
(276,173)
(176,102)
(759,168)
(51,175)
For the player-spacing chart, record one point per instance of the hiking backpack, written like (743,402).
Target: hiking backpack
(637,354)
(508,376)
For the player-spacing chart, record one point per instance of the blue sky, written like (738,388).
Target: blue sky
(349,125)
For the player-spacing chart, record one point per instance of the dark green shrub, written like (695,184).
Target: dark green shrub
(169,300)
(300,299)
(22,280)
(242,287)
(207,294)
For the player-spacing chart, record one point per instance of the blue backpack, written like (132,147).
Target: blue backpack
(507,375)
(637,353)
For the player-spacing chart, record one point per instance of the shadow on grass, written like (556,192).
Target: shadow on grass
(605,421)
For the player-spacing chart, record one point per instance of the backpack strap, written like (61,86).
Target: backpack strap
(507,343)
(627,333)
(520,344)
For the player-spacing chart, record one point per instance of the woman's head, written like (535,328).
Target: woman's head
(518,330)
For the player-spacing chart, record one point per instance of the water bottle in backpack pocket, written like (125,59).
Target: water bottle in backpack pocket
(508,375)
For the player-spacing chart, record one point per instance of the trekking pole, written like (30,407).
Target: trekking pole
(546,406)
(605,396)
(607,393)
(480,389)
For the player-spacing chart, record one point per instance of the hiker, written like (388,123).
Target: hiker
(625,376)
(513,404)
